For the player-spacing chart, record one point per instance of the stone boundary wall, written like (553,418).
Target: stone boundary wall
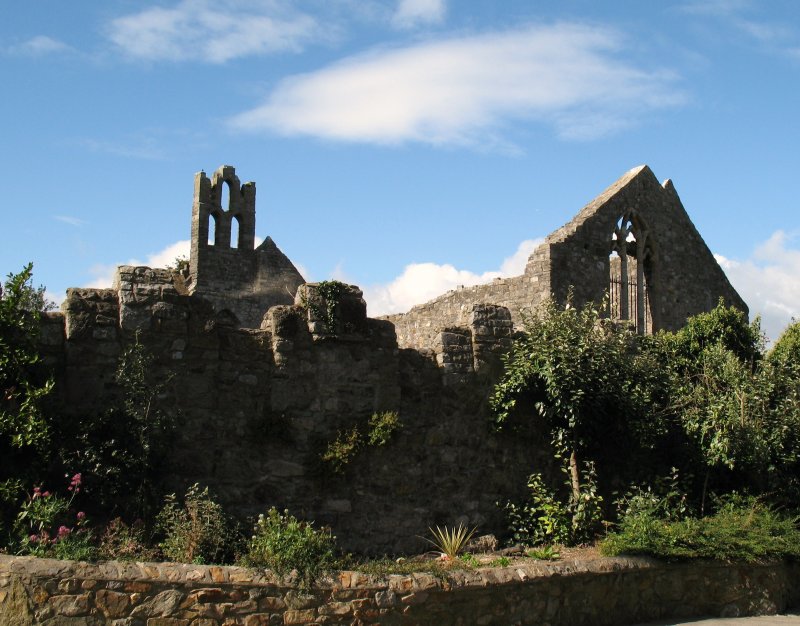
(592,592)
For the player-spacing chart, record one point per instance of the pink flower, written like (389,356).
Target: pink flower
(46,494)
(76,480)
(63,531)
(81,516)
(33,538)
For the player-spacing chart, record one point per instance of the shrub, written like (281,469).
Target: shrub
(196,532)
(742,530)
(121,542)
(544,518)
(283,543)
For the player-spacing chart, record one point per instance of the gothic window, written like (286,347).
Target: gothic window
(629,260)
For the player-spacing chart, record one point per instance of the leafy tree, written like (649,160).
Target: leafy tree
(123,449)
(23,381)
(587,379)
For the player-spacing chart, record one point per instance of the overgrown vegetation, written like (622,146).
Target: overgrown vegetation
(708,419)
(707,398)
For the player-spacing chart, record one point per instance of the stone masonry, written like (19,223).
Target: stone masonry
(266,371)
(679,276)
(599,592)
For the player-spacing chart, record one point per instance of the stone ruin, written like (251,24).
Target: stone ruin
(266,371)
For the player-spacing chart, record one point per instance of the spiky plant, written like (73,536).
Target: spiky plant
(450,541)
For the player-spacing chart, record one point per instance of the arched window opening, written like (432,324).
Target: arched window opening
(628,261)
(212,229)
(235,232)
(225,196)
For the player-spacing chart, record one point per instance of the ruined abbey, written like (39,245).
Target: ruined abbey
(266,369)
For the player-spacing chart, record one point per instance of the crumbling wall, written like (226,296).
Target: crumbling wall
(419,327)
(682,278)
(225,268)
(260,406)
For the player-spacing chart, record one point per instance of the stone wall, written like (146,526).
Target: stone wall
(226,269)
(259,406)
(571,593)
(682,277)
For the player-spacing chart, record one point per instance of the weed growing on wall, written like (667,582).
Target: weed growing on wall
(380,429)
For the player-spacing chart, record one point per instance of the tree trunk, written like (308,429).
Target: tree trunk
(574,475)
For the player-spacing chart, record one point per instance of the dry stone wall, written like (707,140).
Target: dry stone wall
(573,593)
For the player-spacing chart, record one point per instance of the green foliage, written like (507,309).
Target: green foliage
(786,350)
(381,427)
(196,531)
(545,518)
(469,560)
(283,543)
(450,541)
(329,292)
(592,384)
(722,326)
(502,561)
(342,450)
(742,530)
(541,519)
(545,553)
(664,499)
(125,448)
(24,383)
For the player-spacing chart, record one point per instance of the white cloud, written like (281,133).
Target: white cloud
(465,90)
(69,219)
(212,31)
(39,46)
(103,275)
(769,281)
(411,13)
(421,282)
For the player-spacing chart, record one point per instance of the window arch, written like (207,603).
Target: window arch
(629,262)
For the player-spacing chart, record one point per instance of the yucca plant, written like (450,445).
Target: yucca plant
(450,541)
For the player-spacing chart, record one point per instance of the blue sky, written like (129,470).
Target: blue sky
(406,146)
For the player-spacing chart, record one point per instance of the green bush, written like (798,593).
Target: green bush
(283,543)
(741,530)
(198,531)
(545,518)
